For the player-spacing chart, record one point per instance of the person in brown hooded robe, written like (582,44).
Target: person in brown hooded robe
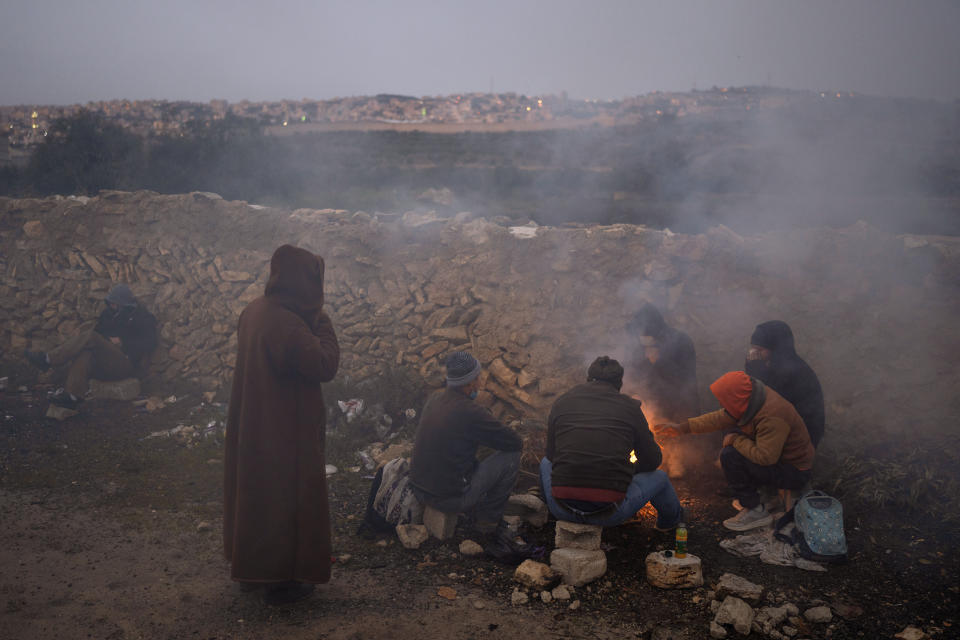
(276,523)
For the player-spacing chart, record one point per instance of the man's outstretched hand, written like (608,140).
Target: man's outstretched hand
(670,429)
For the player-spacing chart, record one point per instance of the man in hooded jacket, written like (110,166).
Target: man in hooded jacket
(770,445)
(773,360)
(664,366)
(276,523)
(111,349)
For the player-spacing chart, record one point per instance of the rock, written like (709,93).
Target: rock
(412,535)
(578,566)
(717,630)
(672,572)
(536,575)
(792,609)
(560,593)
(735,611)
(60,413)
(731,584)
(574,605)
(34,229)
(502,373)
(911,633)
(518,597)
(447,592)
(204,526)
(529,507)
(126,389)
(572,535)
(714,606)
(788,631)
(470,548)
(546,597)
(818,614)
(440,525)
(771,616)
(479,604)
(344,558)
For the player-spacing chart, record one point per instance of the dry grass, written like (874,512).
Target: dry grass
(922,479)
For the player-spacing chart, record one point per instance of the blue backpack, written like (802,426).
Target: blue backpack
(819,527)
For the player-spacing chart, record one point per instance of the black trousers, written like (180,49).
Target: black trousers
(746,477)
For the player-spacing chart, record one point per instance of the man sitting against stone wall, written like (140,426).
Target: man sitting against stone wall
(769,446)
(111,349)
(444,470)
(587,474)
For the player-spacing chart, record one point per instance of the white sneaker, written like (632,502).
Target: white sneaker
(772,504)
(749,519)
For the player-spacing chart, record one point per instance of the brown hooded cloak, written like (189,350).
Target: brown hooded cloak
(276,521)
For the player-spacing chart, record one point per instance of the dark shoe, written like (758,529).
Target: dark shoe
(287,592)
(62,398)
(37,359)
(501,546)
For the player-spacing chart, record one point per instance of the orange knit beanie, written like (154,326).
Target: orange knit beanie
(733,390)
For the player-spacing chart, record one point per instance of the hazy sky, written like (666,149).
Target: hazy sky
(70,51)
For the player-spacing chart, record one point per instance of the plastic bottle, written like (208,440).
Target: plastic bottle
(681,548)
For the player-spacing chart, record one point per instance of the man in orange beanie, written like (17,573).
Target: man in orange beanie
(769,447)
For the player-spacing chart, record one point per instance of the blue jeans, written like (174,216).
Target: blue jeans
(651,486)
(487,492)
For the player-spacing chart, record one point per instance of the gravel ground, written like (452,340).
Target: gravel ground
(109,533)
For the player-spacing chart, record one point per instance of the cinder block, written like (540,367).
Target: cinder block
(440,525)
(578,566)
(529,507)
(673,572)
(573,535)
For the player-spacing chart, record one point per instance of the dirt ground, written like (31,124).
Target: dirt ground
(110,533)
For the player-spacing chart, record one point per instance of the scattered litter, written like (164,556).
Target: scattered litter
(331,470)
(351,408)
(190,434)
(410,414)
(350,469)
(769,549)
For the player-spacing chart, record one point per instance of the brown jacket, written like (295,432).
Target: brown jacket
(276,523)
(775,434)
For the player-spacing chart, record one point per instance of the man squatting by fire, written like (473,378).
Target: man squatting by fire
(766,444)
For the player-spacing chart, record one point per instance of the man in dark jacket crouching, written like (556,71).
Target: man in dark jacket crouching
(587,474)
(111,349)
(445,472)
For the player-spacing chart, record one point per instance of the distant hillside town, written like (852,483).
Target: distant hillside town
(26,125)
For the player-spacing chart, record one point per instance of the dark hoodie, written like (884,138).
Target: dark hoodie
(788,374)
(135,326)
(670,384)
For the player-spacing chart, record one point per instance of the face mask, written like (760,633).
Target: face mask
(473,394)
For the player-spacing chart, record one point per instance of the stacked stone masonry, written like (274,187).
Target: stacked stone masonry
(404,290)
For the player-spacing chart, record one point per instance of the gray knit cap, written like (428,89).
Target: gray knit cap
(121,295)
(462,368)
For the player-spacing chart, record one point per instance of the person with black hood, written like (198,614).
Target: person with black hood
(111,349)
(773,360)
(587,474)
(664,366)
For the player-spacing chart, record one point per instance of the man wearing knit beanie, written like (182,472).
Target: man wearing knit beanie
(767,444)
(109,349)
(445,472)
(587,474)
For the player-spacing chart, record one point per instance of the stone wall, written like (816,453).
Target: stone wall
(874,314)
